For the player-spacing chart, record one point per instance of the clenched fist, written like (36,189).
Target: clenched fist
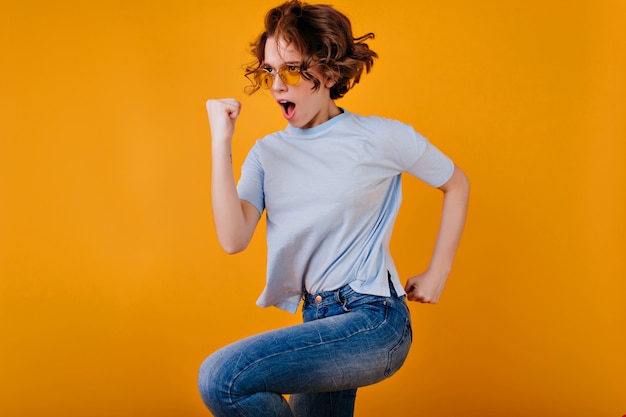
(223,114)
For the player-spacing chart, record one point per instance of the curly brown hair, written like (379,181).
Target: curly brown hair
(323,36)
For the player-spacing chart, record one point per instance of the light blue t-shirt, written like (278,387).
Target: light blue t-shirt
(331,195)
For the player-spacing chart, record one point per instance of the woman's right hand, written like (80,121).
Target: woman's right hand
(223,114)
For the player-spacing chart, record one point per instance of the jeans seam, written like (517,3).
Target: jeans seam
(392,351)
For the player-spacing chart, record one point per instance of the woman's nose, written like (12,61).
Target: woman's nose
(278,84)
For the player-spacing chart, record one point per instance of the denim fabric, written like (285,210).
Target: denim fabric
(347,340)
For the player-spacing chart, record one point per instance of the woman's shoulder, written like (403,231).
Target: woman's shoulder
(381,125)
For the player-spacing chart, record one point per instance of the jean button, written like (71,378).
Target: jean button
(318,299)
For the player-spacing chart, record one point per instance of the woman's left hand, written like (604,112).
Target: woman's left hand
(425,288)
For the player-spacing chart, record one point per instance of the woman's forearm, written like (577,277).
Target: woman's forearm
(454,212)
(227,211)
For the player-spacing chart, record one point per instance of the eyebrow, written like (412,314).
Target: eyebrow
(284,64)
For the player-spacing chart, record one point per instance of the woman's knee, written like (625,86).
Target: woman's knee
(228,384)
(214,380)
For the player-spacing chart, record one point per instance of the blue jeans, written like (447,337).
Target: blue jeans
(347,340)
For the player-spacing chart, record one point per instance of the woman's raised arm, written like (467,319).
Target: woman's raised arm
(235,219)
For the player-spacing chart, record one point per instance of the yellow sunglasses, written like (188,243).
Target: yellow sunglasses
(289,74)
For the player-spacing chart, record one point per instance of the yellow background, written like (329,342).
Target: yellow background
(113,288)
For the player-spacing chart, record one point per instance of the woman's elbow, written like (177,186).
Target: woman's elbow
(233,247)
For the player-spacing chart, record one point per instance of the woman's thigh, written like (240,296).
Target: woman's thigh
(365,344)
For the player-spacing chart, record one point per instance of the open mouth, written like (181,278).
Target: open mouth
(288,108)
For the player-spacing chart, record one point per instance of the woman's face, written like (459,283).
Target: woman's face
(301,105)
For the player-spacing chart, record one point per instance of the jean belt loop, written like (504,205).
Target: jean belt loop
(342,299)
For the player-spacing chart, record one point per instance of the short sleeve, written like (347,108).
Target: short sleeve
(430,164)
(250,185)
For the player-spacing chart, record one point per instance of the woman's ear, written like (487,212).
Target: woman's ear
(330,82)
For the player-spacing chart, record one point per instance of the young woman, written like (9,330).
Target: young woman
(329,184)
